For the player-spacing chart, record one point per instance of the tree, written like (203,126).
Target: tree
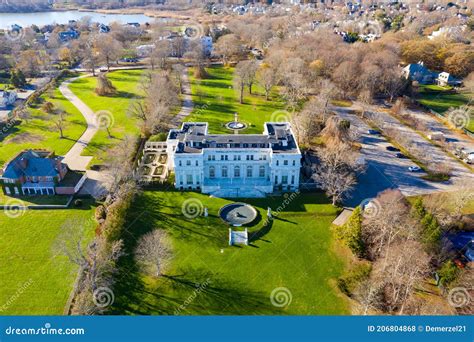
(153,252)
(89,51)
(104,86)
(228,46)
(197,55)
(17,78)
(59,121)
(335,173)
(245,76)
(109,49)
(267,79)
(160,53)
(65,55)
(153,112)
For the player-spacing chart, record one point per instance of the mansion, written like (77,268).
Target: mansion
(234,165)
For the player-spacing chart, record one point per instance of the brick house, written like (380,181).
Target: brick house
(38,172)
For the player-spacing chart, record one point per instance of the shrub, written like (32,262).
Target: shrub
(448,273)
(351,233)
(100,213)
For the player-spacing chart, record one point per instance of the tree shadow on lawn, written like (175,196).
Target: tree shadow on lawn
(195,292)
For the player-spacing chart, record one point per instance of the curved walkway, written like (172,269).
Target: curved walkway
(73,158)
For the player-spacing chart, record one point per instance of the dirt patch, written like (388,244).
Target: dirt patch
(25,138)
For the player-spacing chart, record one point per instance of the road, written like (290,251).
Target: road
(385,171)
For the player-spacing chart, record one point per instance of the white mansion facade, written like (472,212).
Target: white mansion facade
(234,165)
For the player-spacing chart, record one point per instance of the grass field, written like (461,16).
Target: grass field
(127,83)
(32,200)
(33,280)
(216,101)
(39,131)
(440,99)
(207,276)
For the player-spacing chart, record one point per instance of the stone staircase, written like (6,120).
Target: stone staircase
(238,193)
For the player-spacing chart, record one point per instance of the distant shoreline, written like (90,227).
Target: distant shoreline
(152,13)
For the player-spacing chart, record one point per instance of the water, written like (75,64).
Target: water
(45,18)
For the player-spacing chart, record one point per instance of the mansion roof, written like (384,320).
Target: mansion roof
(193,138)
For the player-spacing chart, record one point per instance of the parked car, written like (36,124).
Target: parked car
(392,148)
(400,155)
(414,169)
(103,68)
(439,136)
(129,60)
(373,132)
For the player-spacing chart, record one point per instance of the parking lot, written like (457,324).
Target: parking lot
(384,170)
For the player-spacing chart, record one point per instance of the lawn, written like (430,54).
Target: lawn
(32,200)
(440,99)
(216,101)
(39,131)
(33,280)
(207,276)
(127,83)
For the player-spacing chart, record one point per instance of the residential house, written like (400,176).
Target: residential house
(446,79)
(418,72)
(39,172)
(68,35)
(234,165)
(7,98)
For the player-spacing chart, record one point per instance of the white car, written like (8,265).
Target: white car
(414,169)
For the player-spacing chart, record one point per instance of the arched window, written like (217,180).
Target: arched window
(261,171)
(237,171)
(212,171)
(224,171)
(249,171)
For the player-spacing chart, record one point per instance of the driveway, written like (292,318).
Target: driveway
(73,158)
(385,171)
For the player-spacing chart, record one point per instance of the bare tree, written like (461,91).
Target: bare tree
(335,173)
(267,79)
(59,121)
(245,76)
(153,252)
(228,46)
(109,49)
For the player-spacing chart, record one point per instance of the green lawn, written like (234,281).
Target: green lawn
(127,83)
(32,200)
(33,280)
(210,277)
(216,101)
(40,132)
(440,99)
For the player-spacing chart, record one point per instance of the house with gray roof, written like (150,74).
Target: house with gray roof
(38,172)
(234,165)
(418,72)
